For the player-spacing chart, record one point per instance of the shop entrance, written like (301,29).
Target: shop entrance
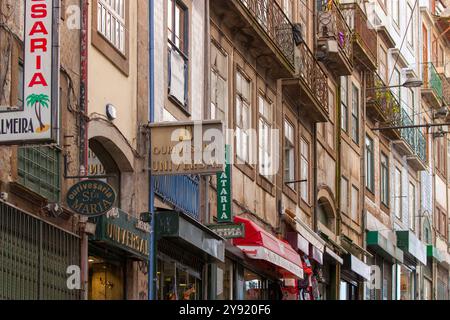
(106,278)
(177,281)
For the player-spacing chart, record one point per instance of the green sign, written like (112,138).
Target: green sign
(224,198)
(124,232)
(229,231)
(91,198)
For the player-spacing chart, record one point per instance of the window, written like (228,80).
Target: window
(219,83)
(355,200)
(39,171)
(398,193)
(289,161)
(355,114)
(412,206)
(344,195)
(344,103)
(243,120)
(411,103)
(178,54)
(441,55)
(20,86)
(440,155)
(396,82)
(304,170)
(330,124)
(396,12)
(410,31)
(448,159)
(265,143)
(111,22)
(384,180)
(382,64)
(370,172)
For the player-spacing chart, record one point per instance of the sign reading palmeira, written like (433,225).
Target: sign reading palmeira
(35,120)
(195,147)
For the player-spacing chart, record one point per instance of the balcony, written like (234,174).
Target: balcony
(335,47)
(364,37)
(419,160)
(382,106)
(432,89)
(412,143)
(263,28)
(309,86)
(181,192)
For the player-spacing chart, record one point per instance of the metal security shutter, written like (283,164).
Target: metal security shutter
(34,257)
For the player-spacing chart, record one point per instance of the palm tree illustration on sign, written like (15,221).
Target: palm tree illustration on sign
(39,101)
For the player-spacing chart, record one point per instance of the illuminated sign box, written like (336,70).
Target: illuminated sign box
(36,120)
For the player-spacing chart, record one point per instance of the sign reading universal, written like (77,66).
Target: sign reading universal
(187,147)
(35,120)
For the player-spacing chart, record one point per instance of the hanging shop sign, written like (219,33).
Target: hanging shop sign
(229,231)
(195,147)
(91,198)
(36,119)
(125,232)
(224,198)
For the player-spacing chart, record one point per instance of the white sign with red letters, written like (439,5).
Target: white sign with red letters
(36,119)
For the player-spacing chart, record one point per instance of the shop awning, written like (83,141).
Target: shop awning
(411,245)
(383,246)
(261,245)
(334,255)
(435,253)
(352,263)
(187,231)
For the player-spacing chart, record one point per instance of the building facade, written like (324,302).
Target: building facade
(337,148)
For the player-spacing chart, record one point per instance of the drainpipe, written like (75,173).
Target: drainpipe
(151,192)
(83,159)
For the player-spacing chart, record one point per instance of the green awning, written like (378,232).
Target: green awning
(383,246)
(411,245)
(435,253)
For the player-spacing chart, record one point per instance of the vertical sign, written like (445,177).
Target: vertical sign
(224,190)
(35,119)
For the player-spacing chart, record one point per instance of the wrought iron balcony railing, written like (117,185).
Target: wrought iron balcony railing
(275,23)
(180,191)
(313,75)
(384,100)
(332,24)
(408,134)
(359,24)
(421,146)
(432,80)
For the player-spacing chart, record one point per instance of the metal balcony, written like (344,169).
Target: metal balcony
(412,143)
(309,87)
(263,28)
(364,36)
(335,46)
(432,89)
(182,192)
(382,106)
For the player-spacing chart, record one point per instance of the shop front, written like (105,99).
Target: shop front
(414,254)
(34,257)
(437,260)
(311,248)
(119,241)
(266,267)
(385,255)
(354,272)
(188,253)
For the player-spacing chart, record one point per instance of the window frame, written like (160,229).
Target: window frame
(370,184)
(355,117)
(384,184)
(344,103)
(305,186)
(238,97)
